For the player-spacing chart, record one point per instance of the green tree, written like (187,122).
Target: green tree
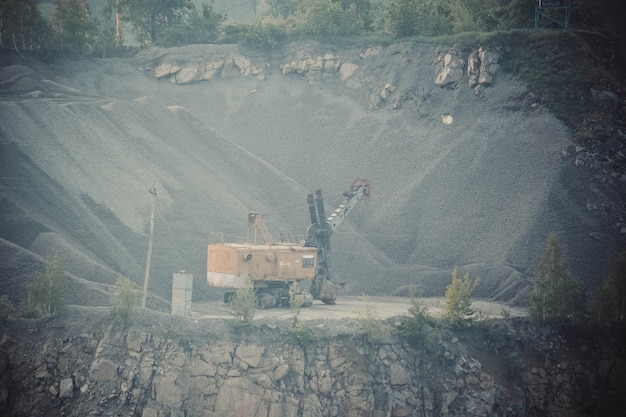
(282,8)
(265,33)
(400,18)
(553,299)
(308,10)
(325,18)
(514,14)
(459,298)
(194,27)
(150,17)
(468,15)
(45,292)
(440,17)
(127,297)
(109,26)
(72,24)
(21,25)
(609,300)
(418,328)
(244,302)
(417,17)
(361,9)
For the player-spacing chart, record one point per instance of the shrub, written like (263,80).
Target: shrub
(417,17)
(458,298)
(296,301)
(303,334)
(45,292)
(195,28)
(418,328)
(244,302)
(233,32)
(266,34)
(324,18)
(369,324)
(127,298)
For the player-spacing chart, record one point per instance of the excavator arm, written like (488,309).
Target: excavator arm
(322,287)
(359,190)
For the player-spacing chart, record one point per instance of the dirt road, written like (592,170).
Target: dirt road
(352,307)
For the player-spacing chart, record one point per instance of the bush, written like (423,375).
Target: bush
(303,334)
(443,17)
(244,302)
(127,298)
(195,28)
(368,324)
(417,17)
(419,329)
(266,34)
(324,18)
(233,32)
(296,301)
(45,292)
(458,299)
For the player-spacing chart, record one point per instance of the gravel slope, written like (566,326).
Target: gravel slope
(83,141)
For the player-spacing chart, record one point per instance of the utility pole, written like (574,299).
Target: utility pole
(149,256)
(118,29)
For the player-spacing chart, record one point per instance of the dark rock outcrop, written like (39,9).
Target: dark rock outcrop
(166,366)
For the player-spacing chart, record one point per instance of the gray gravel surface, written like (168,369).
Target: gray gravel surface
(83,140)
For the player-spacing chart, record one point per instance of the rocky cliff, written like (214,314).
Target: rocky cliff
(83,363)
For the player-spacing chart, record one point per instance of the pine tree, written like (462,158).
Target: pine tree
(459,298)
(150,17)
(45,293)
(555,294)
(21,25)
(73,26)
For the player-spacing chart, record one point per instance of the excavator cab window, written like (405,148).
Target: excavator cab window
(308,261)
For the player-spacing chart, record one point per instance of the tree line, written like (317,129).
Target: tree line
(72,28)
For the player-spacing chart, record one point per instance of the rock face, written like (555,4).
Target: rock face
(479,68)
(182,367)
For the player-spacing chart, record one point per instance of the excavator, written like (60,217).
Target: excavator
(272,267)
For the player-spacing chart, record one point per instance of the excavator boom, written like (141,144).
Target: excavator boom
(322,287)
